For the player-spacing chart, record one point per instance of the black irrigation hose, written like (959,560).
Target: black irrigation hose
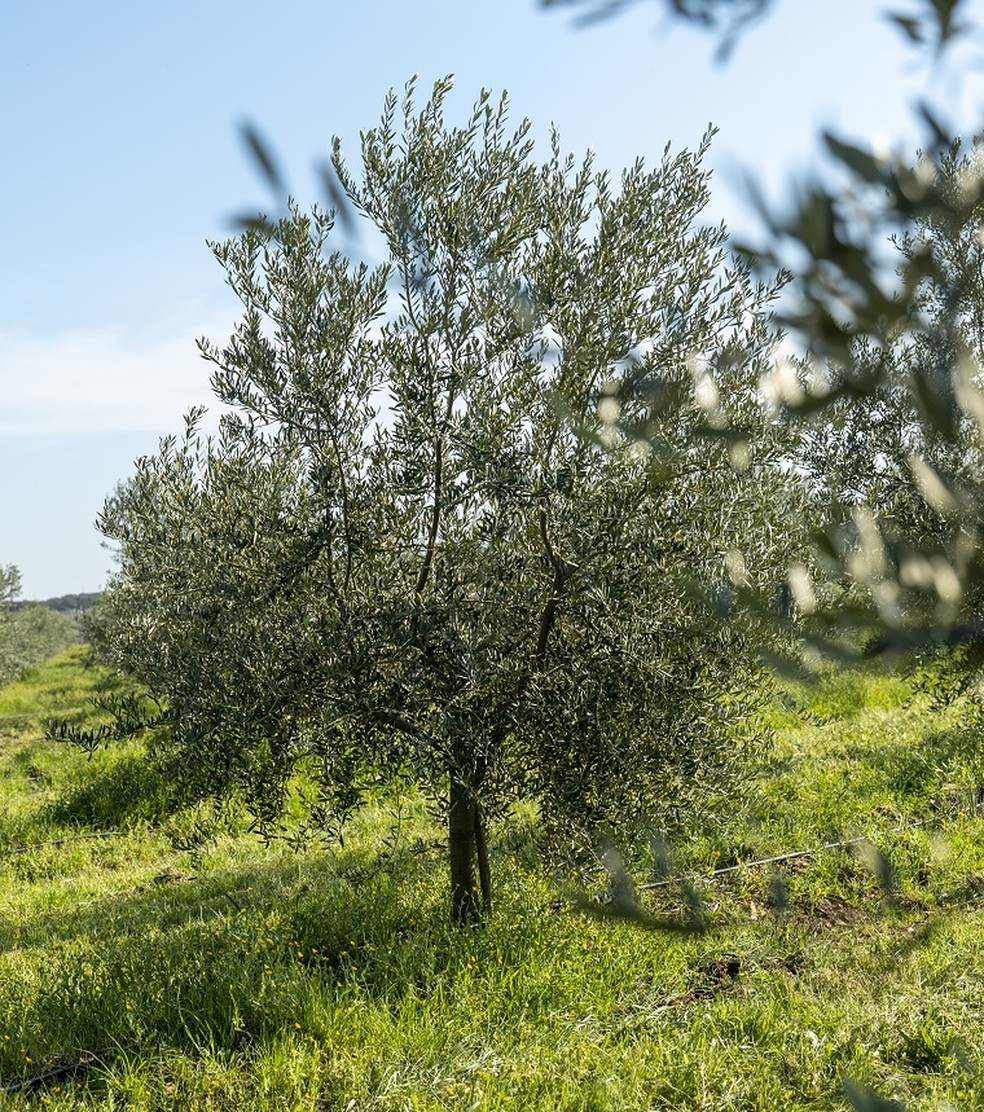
(791,856)
(85,1061)
(12,851)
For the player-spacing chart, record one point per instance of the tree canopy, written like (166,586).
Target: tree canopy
(423,544)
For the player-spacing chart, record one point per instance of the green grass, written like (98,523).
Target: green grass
(208,971)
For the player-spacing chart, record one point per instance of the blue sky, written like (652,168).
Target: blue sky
(121,157)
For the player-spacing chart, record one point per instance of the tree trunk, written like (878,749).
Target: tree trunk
(466,847)
(482,853)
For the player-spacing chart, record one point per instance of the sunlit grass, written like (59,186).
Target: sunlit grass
(56,688)
(227,974)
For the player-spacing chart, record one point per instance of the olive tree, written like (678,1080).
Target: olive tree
(865,329)
(894,447)
(436,537)
(9,583)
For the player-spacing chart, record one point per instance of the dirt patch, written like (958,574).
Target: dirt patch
(834,911)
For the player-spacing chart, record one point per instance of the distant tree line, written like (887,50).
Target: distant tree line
(62,604)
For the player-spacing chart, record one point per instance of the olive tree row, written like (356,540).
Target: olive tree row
(29,632)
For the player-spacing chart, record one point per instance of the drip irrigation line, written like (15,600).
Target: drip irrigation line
(85,1061)
(791,856)
(12,851)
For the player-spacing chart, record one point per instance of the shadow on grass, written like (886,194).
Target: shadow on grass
(135,790)
(840,694)
(325,897)
(240,955)
(936,763)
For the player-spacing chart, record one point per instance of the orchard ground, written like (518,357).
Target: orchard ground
(177,962)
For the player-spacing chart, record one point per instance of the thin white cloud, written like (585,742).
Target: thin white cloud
(104,379)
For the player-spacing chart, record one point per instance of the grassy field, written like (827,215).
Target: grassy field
(179,963)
